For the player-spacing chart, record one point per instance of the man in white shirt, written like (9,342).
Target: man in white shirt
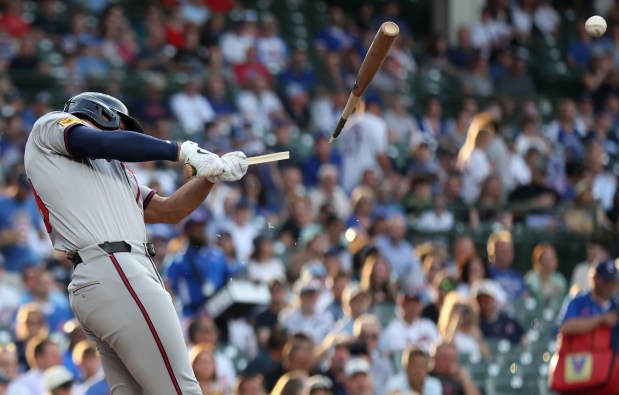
(191,108)
(414,379)
(234,43)
(46,354)
(305,318)
(259,105)
(364,144)
(409,327)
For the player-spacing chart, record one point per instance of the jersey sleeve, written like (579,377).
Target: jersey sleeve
(51,131)
(146,194)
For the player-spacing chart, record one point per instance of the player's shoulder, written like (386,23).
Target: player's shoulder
(59,118)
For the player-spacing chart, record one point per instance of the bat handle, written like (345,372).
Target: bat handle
(338,129)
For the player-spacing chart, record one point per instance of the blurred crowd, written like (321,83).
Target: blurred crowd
(355,307)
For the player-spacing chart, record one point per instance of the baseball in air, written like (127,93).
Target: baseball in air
(595,26)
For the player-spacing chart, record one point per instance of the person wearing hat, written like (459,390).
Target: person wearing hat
(409,327)
(366,330)
(199,271)
(358,375)
(355,302)
(319,385)
(58,381)
(304,315)
(595,307)
(493,322)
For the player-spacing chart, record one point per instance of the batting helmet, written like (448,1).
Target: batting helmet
(103,110)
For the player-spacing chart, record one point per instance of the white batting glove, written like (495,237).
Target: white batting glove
(205,163)
(235,167)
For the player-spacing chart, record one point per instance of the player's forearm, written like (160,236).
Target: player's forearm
(122,145)
(576,326)
(183,202)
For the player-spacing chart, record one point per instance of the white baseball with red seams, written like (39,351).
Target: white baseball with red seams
(596,26)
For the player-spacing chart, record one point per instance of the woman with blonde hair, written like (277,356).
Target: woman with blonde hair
(30,323)
(458,323)
(545,283)
(202,358)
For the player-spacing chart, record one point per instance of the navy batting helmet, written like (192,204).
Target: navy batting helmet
(103,110)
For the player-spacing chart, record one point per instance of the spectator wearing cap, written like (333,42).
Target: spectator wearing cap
(323,155)
(366,330)
(337,283)
(234,43)
(58,381)
(42,354)
(22,234)
(355,302)
(365,147)
(359,380)
(263,265)
(500,248)
(493,322)
(319,385)
(414,377)
(266,320)
(444,366)
(315,270)
(400,253)
(304,316)
(409,327)
(597,250)
(595,307)
(198,271)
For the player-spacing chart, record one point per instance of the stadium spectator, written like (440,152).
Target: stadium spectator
(414,377)
(408,327)
(355,303)
(87,359)
(594,307)
(42,354)
(598,250)
(493,322)
(304,317)
(58,381)
(546,285)
(458,324)
(500,249)
(198,270)
(270,355)
(442,285)
(263,266)
(444,366)
(204,367)
(191,108)
(359,380)
(366,329)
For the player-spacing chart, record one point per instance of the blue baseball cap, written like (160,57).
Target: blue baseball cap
(607,270)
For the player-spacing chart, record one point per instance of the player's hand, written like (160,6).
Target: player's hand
(205,164)
(610,319)
(235,167)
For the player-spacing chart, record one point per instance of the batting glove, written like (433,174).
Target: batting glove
(205,163)
(235,167)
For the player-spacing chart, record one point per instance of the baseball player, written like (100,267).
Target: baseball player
(94,209)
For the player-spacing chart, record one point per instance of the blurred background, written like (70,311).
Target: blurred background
(388,213)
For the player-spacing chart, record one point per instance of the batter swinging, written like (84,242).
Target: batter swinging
(95,210)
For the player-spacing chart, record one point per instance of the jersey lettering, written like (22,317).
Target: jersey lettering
(69,121)
(44,211)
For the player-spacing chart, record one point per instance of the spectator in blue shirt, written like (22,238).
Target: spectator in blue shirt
(199,271)
(501,256)
(20,222)
(596,307)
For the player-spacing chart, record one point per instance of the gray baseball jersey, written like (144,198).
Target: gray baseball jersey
(119,298)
